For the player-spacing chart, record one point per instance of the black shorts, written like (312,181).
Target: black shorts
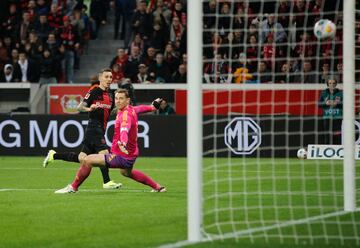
(94,142)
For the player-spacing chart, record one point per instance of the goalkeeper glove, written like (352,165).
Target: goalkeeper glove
(156,103)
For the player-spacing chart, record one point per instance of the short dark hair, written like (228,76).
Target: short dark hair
(125,91)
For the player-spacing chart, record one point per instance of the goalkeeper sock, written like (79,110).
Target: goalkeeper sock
(71,157)
(105,174)
(144,179)
(83,172)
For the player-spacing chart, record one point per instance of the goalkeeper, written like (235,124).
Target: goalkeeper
(124,149)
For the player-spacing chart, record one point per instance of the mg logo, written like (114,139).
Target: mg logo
(242,135)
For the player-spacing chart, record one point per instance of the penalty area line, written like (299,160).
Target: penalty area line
(257,229)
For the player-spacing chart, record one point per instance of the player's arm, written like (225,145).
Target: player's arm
(125,125)
(155,105)
(87,104)
(83,107)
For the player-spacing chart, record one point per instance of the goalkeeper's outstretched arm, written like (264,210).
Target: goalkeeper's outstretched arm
(155,105)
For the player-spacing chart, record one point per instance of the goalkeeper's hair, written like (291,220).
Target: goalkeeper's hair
(125,91)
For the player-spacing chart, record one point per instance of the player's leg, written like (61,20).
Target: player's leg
(142,178)
(69,156)
(82,173)
(53,155)
(101,148)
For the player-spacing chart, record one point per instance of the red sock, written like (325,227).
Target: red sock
(144,179)
(82,173)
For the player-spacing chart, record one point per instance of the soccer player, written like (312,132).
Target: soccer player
(124,149)
(98,102)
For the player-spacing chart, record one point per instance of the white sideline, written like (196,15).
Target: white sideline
(257,229)
(82,190)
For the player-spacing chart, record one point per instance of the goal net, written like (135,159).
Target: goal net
(264,94)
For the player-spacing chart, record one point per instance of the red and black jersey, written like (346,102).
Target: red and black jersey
(105,103)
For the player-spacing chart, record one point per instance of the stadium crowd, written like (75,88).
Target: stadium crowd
(244,41)
(271,41)
(42,40)
(154,34)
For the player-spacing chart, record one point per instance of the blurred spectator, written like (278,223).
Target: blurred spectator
(243,71)
(263,74)
(32,10)
(98,10)
(4,57)
(162,11)
(27,68)
(117,74)
(138,41)
(14,57)
(132,63)
(307,76)
(179,76)
(217,71)
(11,24)
(253,30)
(299,15)
(270,25)
(165,108)
(239,22)
(141,21)
(176,30)
(120,60)
(184,59)
(181,13)
(268,52)
(48,68)
(283,13)
(70,40)
(149,57)
(171,58)
(325,74)
(252,51)
(143,76)
(304,48)
(34,45)
(9,75)
(339,72)
(233,44)
(285,76)
(55,17)
(8,45)
(159,37)
(209,14)
(129,7)
(160,70)
(42,27)
(41,7)
(119,16)
(224,19)
(25,27)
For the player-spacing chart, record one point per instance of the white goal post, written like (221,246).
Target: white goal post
(349,105)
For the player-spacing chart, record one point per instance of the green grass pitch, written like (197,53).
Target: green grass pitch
(31,215)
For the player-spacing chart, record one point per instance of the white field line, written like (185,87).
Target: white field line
(139,190)
(81,190)
(257,229)
(176,170)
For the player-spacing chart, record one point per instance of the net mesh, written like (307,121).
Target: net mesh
(254,186)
